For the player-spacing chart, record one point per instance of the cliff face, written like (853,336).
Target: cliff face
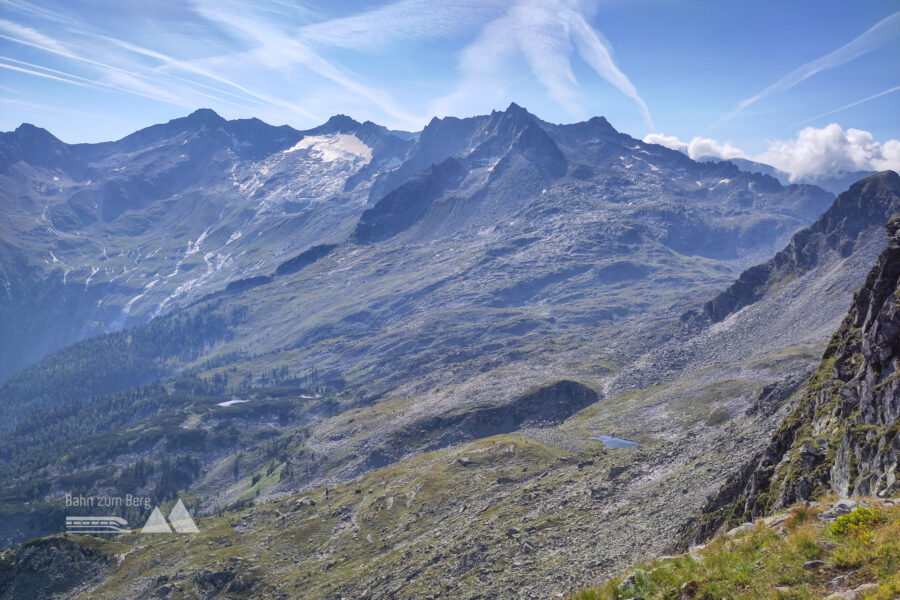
(844,434)
(870,200)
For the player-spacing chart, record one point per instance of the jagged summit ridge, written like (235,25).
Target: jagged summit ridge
(234,188)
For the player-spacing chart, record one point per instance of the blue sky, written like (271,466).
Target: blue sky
(734,77)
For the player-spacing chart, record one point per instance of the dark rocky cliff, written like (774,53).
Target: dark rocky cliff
(870,200)
(844,434)
(52,567)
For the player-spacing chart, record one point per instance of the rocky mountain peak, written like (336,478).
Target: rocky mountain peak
(513,107)
(204,116)
(513,119)
(34,145)
(516,130)
(29,131)
(338,124)
(601,124)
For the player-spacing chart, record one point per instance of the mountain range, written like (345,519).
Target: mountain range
(342,347)
(834,182)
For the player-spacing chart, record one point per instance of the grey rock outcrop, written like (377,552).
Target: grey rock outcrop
(844,434)
(50,567)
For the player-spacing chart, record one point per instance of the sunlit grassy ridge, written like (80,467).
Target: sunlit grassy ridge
(789,556)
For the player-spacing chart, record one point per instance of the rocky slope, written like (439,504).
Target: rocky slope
(54,567)
(832,549)
(842,436)
(100,237)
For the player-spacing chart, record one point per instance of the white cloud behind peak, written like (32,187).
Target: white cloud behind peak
(814,153)
(698,147)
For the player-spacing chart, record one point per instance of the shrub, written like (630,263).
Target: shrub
(858,523)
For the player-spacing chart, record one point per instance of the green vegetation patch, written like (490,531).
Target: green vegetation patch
(766,561)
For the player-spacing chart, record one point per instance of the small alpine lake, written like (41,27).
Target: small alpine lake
(613,442)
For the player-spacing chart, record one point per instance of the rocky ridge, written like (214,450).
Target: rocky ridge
(873,199)
(107,236)
(842,436)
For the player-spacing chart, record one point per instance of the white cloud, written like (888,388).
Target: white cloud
(700,147)
(669,141)
(697,148)
(882,32)
(817,152)
(813,153)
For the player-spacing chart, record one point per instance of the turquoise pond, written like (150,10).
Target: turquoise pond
(612,442)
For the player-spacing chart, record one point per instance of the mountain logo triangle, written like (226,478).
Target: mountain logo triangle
(156,523)
(181,519)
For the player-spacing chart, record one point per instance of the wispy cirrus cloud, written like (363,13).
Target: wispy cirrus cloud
(251,59)
(113,73)
(61,76)
(599,55)
(15,30)
(174,64)
(37,73)
(546,33)
(129,77)
(879,34)
(278,51)
(403,21)
(83,44)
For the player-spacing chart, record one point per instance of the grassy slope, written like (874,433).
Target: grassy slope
(762,562)
(387,521)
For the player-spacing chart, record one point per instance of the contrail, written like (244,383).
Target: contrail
(851,105)
(157,93)
(44,75)
(879,34)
